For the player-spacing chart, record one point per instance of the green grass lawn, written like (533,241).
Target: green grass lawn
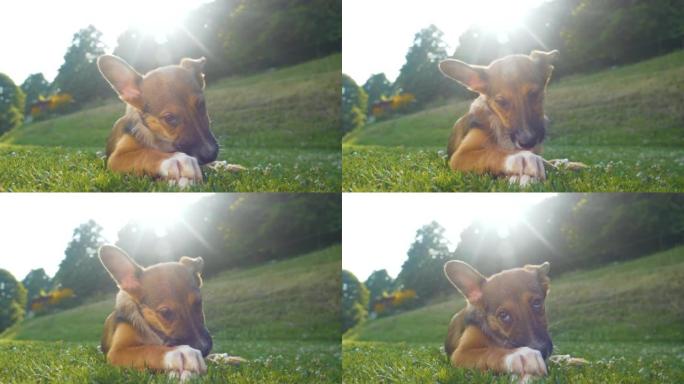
(282,125)
(625,318)
(283,317)
(627,124)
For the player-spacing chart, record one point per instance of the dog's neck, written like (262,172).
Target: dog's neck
(128,310)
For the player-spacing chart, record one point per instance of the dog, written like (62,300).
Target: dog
(503,131)
(503,326)
(158,319)
(165,131)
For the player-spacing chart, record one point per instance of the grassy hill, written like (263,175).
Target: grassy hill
(283,125)
(625,318)
(626,123)
(284,317)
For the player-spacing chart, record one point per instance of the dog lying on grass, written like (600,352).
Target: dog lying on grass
(503,326)
(165,132)
(503,131)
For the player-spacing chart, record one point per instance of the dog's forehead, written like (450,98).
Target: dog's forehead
(168,280)
(170,84)
(511,284)
(514,71)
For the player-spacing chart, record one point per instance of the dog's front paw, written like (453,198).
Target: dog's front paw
(184,362)
(525,166)
(181,169)
(525,362)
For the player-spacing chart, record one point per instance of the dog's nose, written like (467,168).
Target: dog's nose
(208,153)
(547,349)
(525,140)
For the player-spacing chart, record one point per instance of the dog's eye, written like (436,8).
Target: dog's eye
(171,119)
(166,313)
(502,102)
(536,304)
(533,95)
(201,105)
(505,317)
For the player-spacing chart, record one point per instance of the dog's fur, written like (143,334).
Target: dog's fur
(503,327)
(165,132)
(158,320)
(505,126)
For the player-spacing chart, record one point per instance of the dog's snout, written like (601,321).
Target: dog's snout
(525,139)
(546,349)
(205,343)
(208,153)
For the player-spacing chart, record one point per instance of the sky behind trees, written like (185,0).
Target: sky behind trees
(378,228)
(34,34)
(377,34)
(37,238)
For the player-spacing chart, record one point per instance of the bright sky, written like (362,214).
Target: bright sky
(377,34)
(378,228)
(35,34)
(36,227)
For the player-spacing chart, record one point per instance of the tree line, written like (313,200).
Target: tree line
(590,34)
(227,231)
(237,37)
(571,231)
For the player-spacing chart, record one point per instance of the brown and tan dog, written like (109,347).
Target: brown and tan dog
(503,326)
(505,126)
(165,132)
(158,319)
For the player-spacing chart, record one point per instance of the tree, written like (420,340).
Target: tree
(12,300)
(35,282)
(354,301)
(35,86)
(12,101)
(376,87)
(378,282)
(610,32)
(269,33)
(78,75)
(423,269)
(420,75)
(81,269)
(354,103)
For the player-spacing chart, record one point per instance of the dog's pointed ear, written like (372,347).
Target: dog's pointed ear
(545,60)
(474,77)
(195,265)
(542,271)
(125,80)
(124,270)
(465,278)
(196,66)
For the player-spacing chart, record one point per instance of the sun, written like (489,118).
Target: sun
(500,17)
(167,16)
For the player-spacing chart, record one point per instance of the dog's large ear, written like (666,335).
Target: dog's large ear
(474,77)
(542,271)
(123,78)
(545,60)
(196,66)
(195,265)
(466,278)
(124,270)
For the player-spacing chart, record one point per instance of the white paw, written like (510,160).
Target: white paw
(184,362)
(525,362)
(525,163)
(181,169)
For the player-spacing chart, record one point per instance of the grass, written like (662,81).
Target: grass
(284,317)
(624,318)
(283,125)
(626,123)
